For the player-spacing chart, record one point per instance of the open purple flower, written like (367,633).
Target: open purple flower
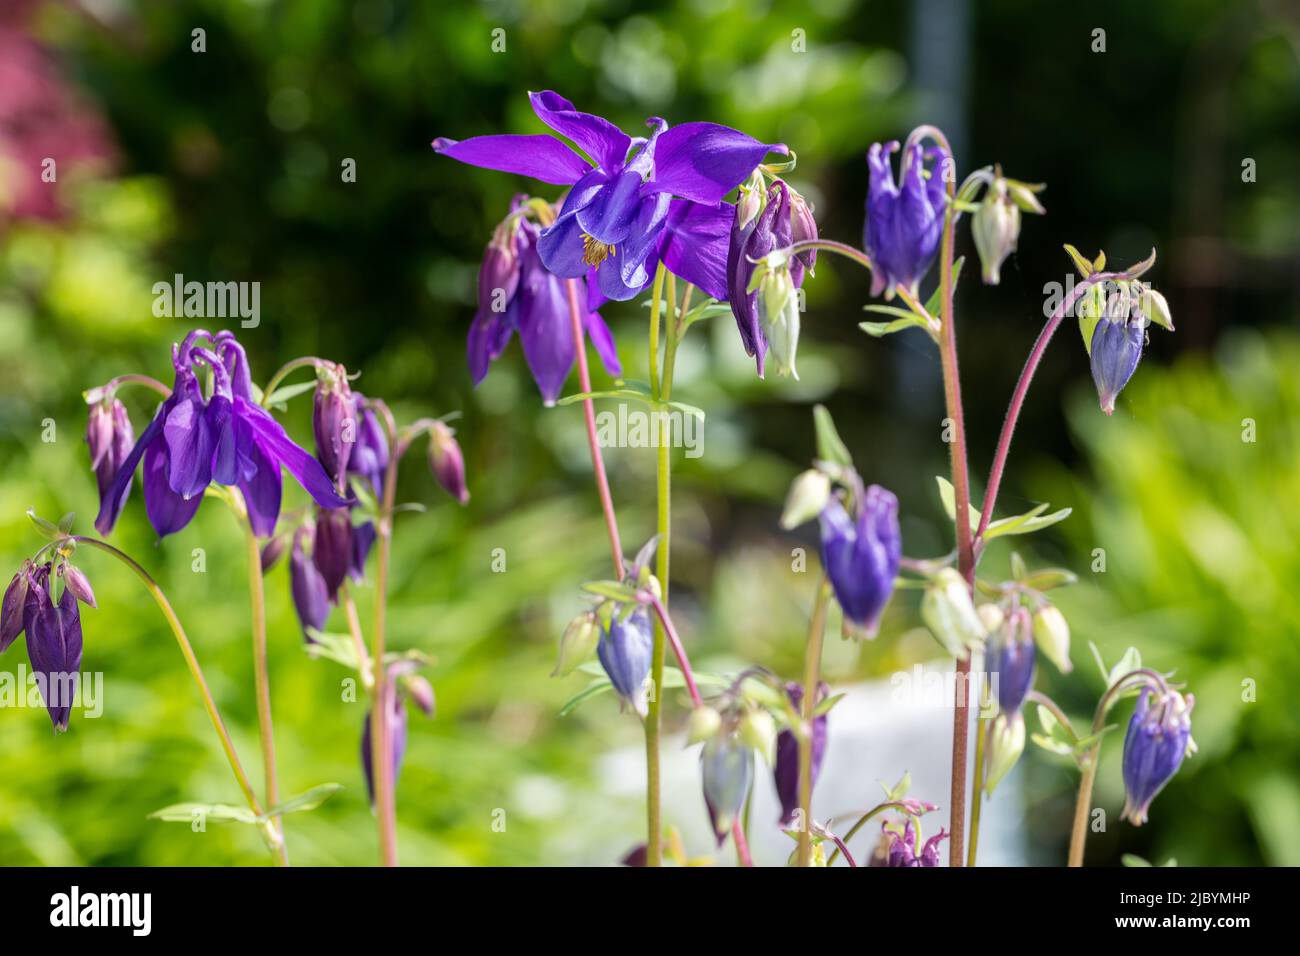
(750,241)
(785,769)
(902,852)
(904,222)
(630,197)
(1158,738)
(861,556)
(221,436)
(524,297)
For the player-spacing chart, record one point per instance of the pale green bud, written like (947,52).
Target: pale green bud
(758,729)
(1052,635)
(704,723)
(995,228)
(991,617)
(1006,742)
(807,497)
(950,614)
(1156,308)
(577,643)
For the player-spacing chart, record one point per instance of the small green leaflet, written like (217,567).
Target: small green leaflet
(673,679)
(1033,520)
(225,813)
(830,447)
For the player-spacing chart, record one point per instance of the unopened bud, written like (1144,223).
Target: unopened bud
(1155,307)
(577,644)
(447,462)
(1006,742)
(995,228)
(1052,635)
(75,580)
(807,497)
(705,722)
(758,729)
(950,614)
(727,769)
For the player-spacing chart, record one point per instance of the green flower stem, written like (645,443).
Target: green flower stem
(812,677)
(663,524)
(358,641)
(196,671)
(977,790)
(262,684)
(287,369)
(385,806)
(1089,761)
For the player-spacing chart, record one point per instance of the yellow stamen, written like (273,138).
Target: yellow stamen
(594,252)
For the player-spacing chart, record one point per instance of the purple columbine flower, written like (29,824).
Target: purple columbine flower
(109,436)
(625,649)
(199,438)
(311,596)
(902,852)
(1116,349)
(861,556)
(369,457)
(1159,737)
(401,683)
(635,202)
(727,770)
(904,222)
(785,769)
(1012,658)
(53,632)
(332,549)
(751,240)
(334,423)
(533,302)
(446,462)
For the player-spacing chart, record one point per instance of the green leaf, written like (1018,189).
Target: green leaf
(65,523)
(216,812)
(282,394)
(1027,523)
(305,801)
(46,528)
(949,498)
(1018,569)
(880,329)
(825,706)
(1048,578)
(338,648)
(934,304)
(830,447)
(613,590)
(1132,859)
(631,394)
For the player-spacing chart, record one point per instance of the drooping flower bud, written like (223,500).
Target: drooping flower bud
(447,462)
(758,730)
(785,771)
(311,597)
(1155,307)
(1052,635)
(370,454)
(397,725)
(577,643)
(995,228)
(421,692)
(753,237)
(75,580)
(1006,742)
(53,645)
(1159,737)
(332,548)
(950,614)
(14,606)
(806,499)
(904,221)
(273,550)
(625,650)
(861,557)
(727,770)
(803,228)
(110,437)
(778,303)
(334,422)
(1116,349)
(1011,660)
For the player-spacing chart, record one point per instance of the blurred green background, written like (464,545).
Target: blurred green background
(225,165)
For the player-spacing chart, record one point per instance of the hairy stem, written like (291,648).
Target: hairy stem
(285,371)
(811,680)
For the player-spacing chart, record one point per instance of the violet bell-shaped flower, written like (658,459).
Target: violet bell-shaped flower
(223,437)
(534,302)
(311,599)
(726,770)
(109,437)
(902,851)
(53,627)
(401,684)
(1159,737)
(334,422)
(1116,348)
(904,220)
(785,768)
(635,202)
(861,556)
(625,649)
(1011,660)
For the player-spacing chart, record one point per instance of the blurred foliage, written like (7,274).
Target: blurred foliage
(229,169)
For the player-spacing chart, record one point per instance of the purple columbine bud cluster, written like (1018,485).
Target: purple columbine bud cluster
(334,422)
(44,601)
(904,850)
(109,437)
(200,437)
(1159,737)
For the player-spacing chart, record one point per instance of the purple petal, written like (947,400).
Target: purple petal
(168,512)
(189,448)
(545,327)
(308,590)
(541,157)
(695,245)
(54,647)
(489,334)
(596,136)
(261,490)
(705,161)
(111,503)
(603,341)
(272,439)
(613,211)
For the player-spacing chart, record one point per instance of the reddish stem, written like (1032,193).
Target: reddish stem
(742,845)
(589,411)
(678,649)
